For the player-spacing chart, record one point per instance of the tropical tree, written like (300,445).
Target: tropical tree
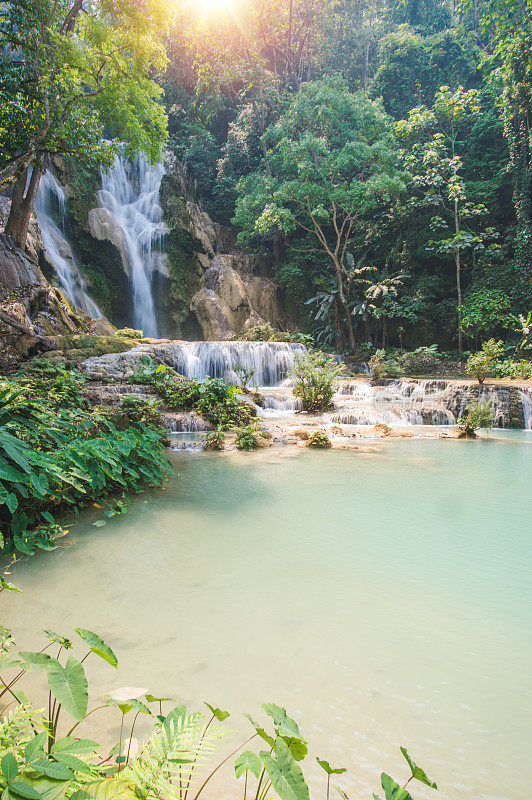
(71,73)
(432,158)
(331,161)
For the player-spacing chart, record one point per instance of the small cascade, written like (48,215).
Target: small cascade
(186,422)
(130,192)
(401,402)
(526,400)
(51,202)
(271,361)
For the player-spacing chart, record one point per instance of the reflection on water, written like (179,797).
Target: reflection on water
(384,600)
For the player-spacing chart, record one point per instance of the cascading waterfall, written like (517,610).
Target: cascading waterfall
(51,199)
(271,362)
(130,192)
(526,399)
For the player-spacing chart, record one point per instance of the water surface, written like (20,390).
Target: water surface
(384,598)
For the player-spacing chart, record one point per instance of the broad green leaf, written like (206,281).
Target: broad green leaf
(392,790)
(69,687)
(74,763)
(9,767)
(8,661)
(37,661)
(98,646)
(110,789)
(150,698)
(34,748)
(328,769)
(220,715)
(418,773)
(248,762)
(297,747)
(52,769)
(285,725)
(71,745)
(285,773)
(24,790)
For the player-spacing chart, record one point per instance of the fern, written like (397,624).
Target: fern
(170,759)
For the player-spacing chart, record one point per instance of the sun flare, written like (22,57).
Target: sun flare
(210,8)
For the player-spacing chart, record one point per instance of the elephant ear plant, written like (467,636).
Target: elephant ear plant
(41,757)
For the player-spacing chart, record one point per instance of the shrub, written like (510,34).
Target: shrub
(130,333)
(319,439)
(383,366)
(247,438)
(479,415)
(482,364)
(59,459)
(140,411)
(422,361)
(315,378)
(521,370)
(244,374)
(215,440)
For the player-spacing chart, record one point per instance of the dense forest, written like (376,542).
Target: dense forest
(378,150)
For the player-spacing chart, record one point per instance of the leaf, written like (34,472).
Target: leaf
(297,747)
(12,502)
(392,790)
(150,698)
(109,789)
(53,769)
(69,687)
(328,769)
(285,773)
(261,732)
(285,725)
(220,715)
(35,747)
(24,790)
(248,762)
(173,717)
(126,693)
(9,767)
(74,763)
(71,745)
(37,661)
(418,773)
(98,646)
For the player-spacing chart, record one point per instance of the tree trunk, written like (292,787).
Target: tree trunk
(22,203)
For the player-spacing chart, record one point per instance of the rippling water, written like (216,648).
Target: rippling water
(384,598)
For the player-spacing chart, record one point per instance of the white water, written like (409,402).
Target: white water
(51,194)
(526,398)
(130,192)
(271,362)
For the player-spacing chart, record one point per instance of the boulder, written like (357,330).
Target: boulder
(103,227)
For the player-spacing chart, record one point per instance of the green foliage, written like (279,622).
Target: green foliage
(177,759)
(421,361)
(215,398)
(56,458)
(129,333)
(266,333)
(479,415)
(247,437)
(315,377)
(485,311)
(320,440)
(482,364)
(215,440)
(384,366)
(510,368)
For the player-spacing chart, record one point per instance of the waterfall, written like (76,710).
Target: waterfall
(51,200)
(271,361)
(130,192)
(526,400)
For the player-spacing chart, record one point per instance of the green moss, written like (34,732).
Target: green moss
(84,181)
